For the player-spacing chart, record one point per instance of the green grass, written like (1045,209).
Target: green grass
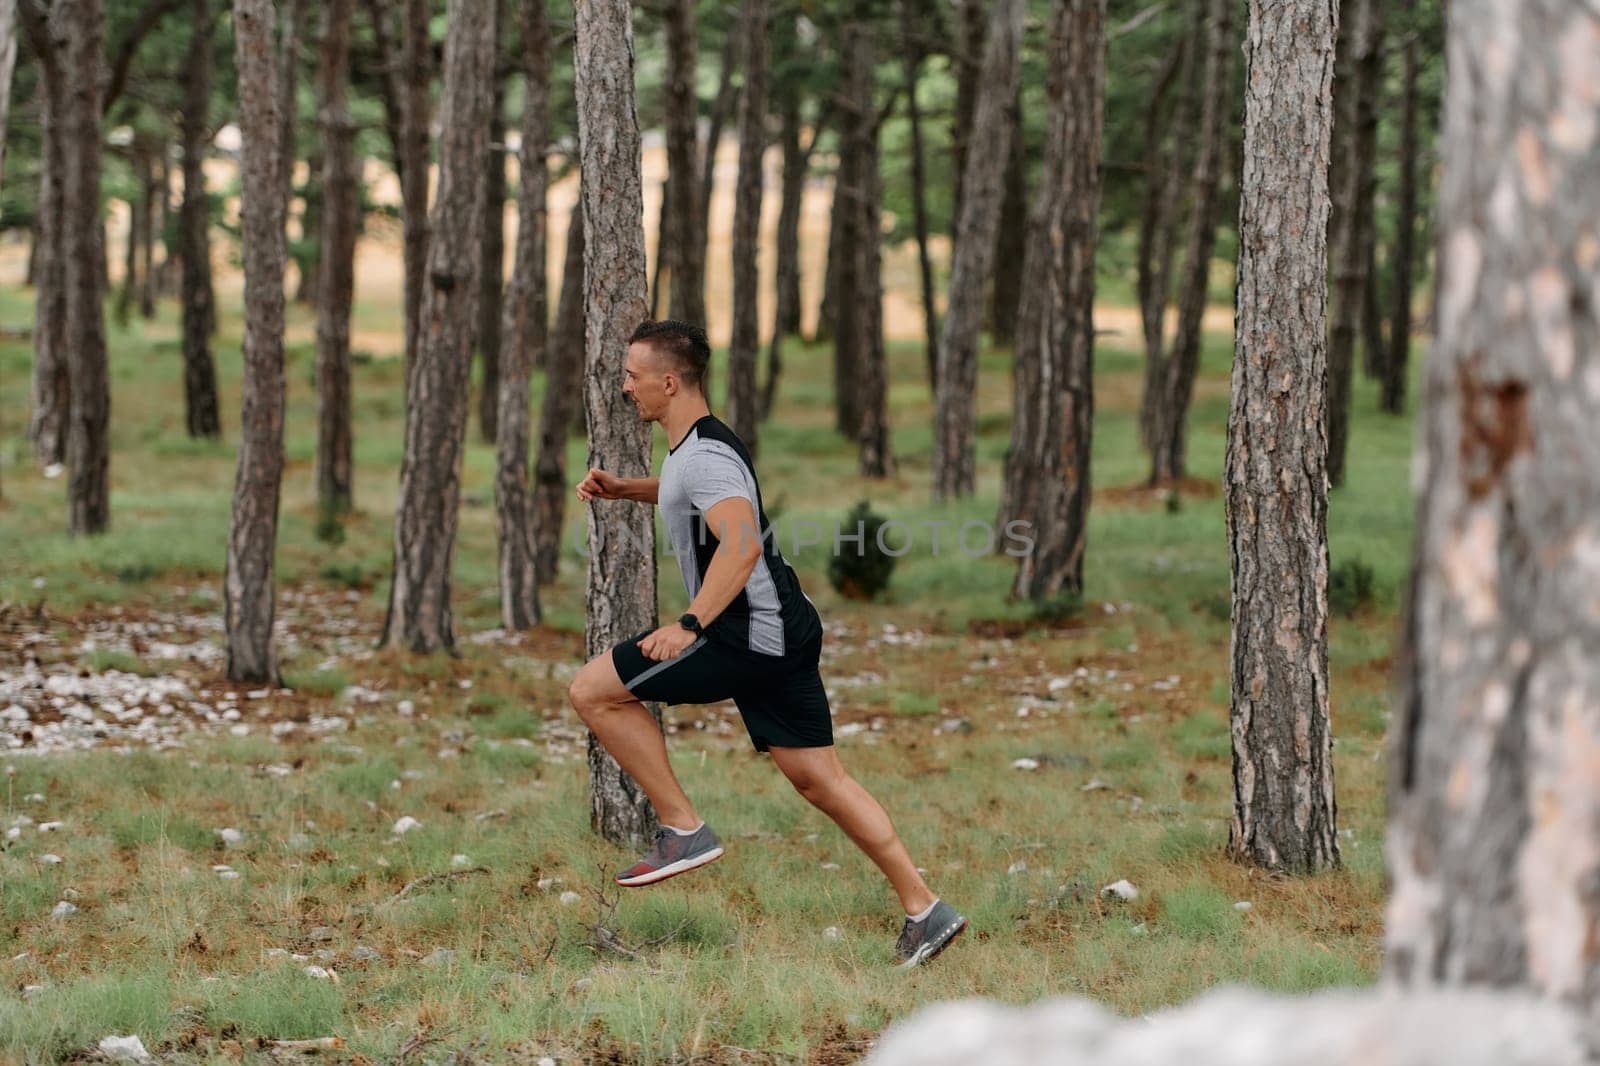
(737,955)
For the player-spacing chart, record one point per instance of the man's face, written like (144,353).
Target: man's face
(649,381)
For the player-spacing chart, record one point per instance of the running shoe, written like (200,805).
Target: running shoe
(921,941)
(672,854)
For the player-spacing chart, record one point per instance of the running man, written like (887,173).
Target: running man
(750,635)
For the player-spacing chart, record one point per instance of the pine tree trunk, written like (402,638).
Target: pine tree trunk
(847,233)
(341,207)
(83,273)
(416,74)
(288,77)
(201,411)
(876,459)
(1049,464)
(8,67)
(1397,364)
(419,615)
(563,386)
(524,335)
(1493,798)
(956,420)
(1011,239)
(308,254)
(681,245)
(726,100)
(1168,140)
(622,567)
(130,248)
(744,412)
(787,317)
(47,427)
(1369,73)
(966,57)
(1276,487)
(1349,251)
(248,586)
(838,235)
(147,237)
(1175,381)
(494,255)
(912,65)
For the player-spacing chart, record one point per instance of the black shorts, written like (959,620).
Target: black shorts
(780,698)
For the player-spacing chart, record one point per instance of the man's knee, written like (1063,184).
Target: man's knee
(820,786)
(591,692)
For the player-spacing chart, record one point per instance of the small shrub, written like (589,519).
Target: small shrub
(860,571)
(1058,609)
(1350,587)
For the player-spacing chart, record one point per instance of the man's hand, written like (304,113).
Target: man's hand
(668,642)
(600,485)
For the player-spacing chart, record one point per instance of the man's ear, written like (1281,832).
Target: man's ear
(670,384)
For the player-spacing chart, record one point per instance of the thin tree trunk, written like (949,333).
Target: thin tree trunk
(876,459)
(83,236)
(341,206)
(494,256)
(130,250)
(788,248)
(170,277)
(51,386)
(1169,136)
(850,192)
(912,65)
(1369,73)
(663,228)
(744,412)
(727,99)
(621,594)
(1011,238)
(249,584)
(1276,487)
(202,414)
(1050,461)
(288,77)
(147,236)
(680,246)
(1396,365)
(524,335)
(419,616)
(8,67)
(416,73)
(1348,237)
(308,255)
(838,234)
(955,427)
(1175,383)
(563,385)
(967,58)
(1493,797)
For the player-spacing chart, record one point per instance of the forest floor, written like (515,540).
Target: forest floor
(1028,765)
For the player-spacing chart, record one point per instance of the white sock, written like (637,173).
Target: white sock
(924,915)
(686,832)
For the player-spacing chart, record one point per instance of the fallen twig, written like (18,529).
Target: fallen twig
(431,879)
(326,1043)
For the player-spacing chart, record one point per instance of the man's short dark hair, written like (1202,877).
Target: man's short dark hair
(682,343)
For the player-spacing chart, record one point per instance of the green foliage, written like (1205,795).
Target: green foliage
(1350,587)
(861,571)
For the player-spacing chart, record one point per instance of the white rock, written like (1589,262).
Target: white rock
(54,470)
(460,860)
(124,1049)
(1238,1027)
(29,991)
(405,825)
(62,909)
(1242,905)
(406,708)
(830,866)
(229,875)
(1018,867)
(319,973)
(49,858)
(13,833)
(569,897)
(1094,785)
(1025,763)
(230,836)
(49,827)
(1123,890)
(546,1060)
(831,933)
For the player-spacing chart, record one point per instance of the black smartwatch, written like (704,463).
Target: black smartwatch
(692,624)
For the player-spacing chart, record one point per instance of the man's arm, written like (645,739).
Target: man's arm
(600,485)
(733,521)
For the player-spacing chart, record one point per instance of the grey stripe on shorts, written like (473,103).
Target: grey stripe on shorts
(699,642)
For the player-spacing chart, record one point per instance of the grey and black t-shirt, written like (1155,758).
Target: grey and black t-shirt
(771,614)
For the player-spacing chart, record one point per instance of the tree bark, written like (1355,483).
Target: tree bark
(419,616)
(681,245)
(1047,469)
(341,191)
(744,412)
(248,585)
(1011,238)
(8,67)
(308,253)
(51,385)
(1276,486)
(847,230)
(838,226)
(288,77)
(787,317)
(865,306)
(726,99)
(563,384)
(83,248)
(622,567)
(1493,794)
(1349,248)
(966,56)
(130,248)
(201,410)
(494,257)
(912,64)
(524,335)
(1175,378)
(956,419)
(416,52)
(1397,364)
(147,234)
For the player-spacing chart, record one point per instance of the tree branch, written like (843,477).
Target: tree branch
(153,13)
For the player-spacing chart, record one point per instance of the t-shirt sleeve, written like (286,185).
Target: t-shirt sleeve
(712,476)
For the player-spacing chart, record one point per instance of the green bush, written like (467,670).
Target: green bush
(860,571)
(1350,587)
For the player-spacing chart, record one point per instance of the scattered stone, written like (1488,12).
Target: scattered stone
(320,973)
(1094,785)
(30,991)
(1025,763)
(405,825)
(406,708)
(49,827)
(460,860)
(1018,867)
(1243,905)
(831,933)
(320,935)
(1123,890)
(439,957)
(362,953)
(62,909)
(124,1049)
(49,858)
(830,866)
(230,836)
(569,897)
